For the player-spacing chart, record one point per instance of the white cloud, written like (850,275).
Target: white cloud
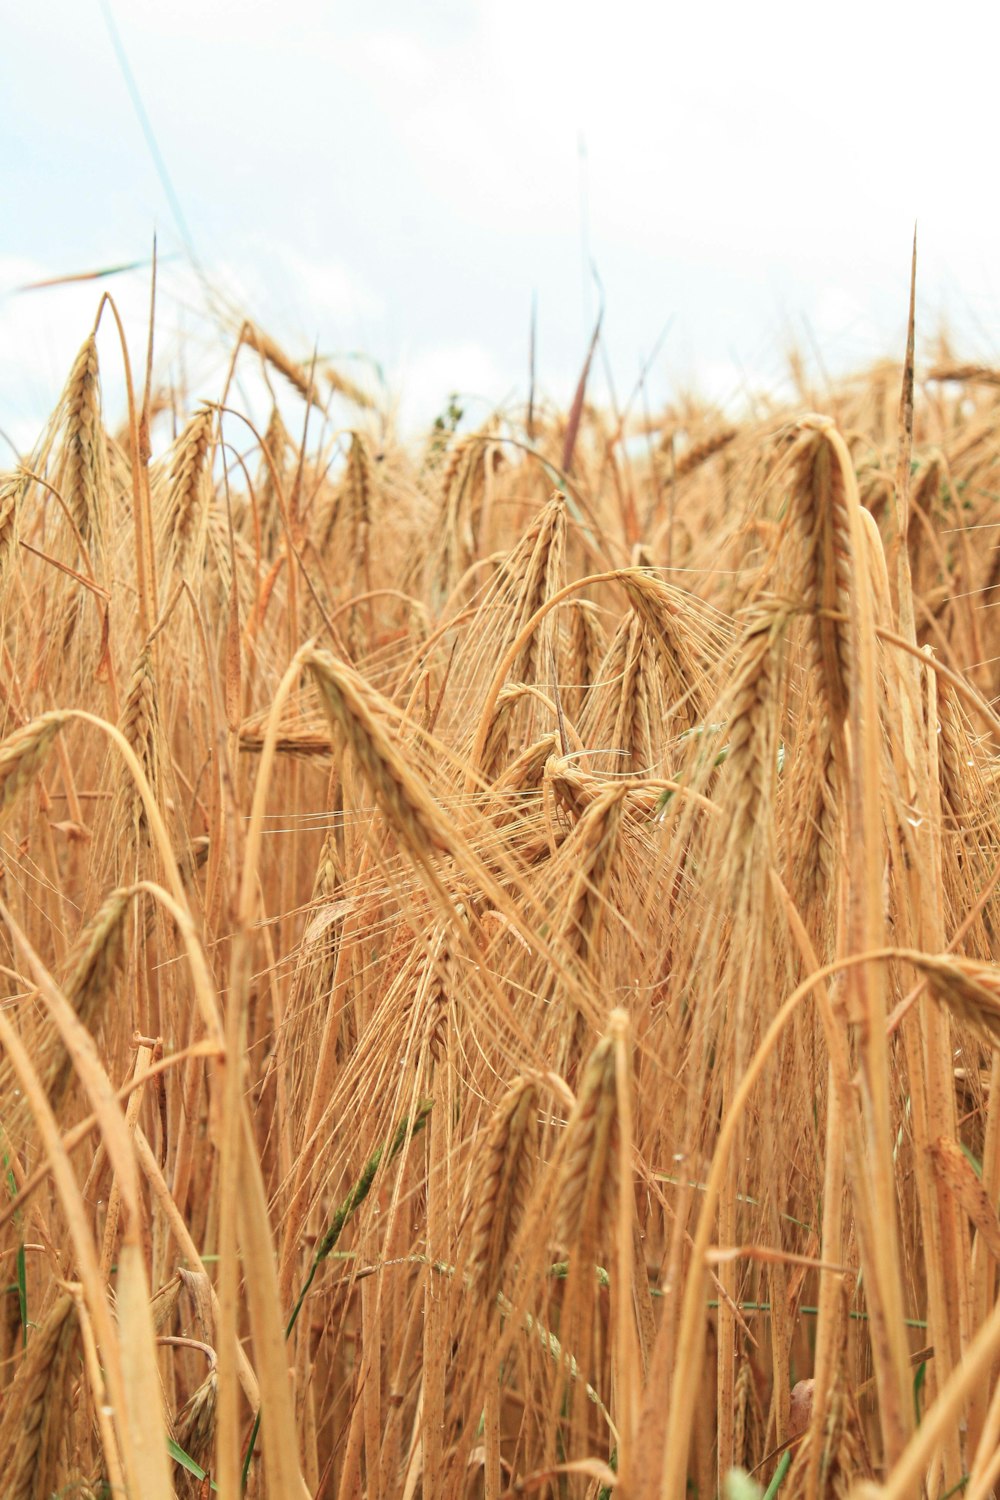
(398,176)
(427,379)
(41,332)
(395,58)
(324,290)
(296,298)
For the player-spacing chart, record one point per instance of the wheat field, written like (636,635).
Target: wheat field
(497,935)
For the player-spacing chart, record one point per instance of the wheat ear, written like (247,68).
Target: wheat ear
(34,1425)
(85,461)
(588,1181)
(186,497)
(23,753)
(12,489)
(139,723)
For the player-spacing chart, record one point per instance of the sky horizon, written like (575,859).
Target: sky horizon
(404,182)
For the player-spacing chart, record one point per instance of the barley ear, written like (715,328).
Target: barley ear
(34,1424)
(589,1178)
(90,970)
(502,1185)
(12,489)
(23,753)
(85,488)
(187,497)
(969,989)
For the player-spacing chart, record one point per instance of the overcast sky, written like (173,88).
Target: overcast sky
(401,178)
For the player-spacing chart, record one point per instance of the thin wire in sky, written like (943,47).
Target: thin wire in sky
(147,129)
